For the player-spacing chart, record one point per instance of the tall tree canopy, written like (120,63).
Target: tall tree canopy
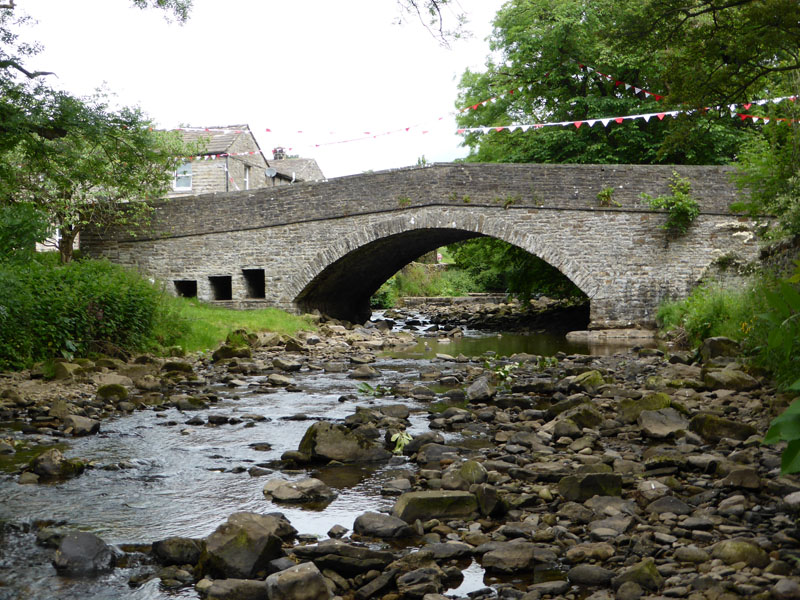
(696,56)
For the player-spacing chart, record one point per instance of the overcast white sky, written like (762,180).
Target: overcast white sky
(331,69)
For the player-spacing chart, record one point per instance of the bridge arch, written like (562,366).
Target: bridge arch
(340,279)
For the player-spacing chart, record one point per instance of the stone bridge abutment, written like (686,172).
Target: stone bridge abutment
(330,245)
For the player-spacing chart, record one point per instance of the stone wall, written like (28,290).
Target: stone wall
(330,245)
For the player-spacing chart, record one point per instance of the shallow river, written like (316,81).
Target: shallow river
(156,476)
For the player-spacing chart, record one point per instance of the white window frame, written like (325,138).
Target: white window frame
(247,177)
(180,177)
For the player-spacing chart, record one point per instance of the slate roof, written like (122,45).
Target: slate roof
(218,140)
(304,169)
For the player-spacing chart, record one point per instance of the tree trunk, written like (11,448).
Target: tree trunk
(66,243)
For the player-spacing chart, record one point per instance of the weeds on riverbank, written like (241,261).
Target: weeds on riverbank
(764,316)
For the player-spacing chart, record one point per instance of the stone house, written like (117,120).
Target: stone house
(230,160)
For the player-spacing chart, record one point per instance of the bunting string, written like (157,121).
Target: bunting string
(736,110)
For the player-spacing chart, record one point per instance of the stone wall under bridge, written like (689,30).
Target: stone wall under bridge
(330,245)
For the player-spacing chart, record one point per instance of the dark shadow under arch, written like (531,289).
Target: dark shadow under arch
(344,288)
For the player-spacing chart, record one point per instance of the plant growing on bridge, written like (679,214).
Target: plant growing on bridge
(606,197)
(682,209)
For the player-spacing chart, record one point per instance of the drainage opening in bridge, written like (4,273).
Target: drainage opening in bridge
(186,288)
(221,287)
(254,283)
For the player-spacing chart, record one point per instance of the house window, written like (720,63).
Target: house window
(183,177)
(247,177)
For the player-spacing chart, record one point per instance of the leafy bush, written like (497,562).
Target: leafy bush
(49,311)
(681,208)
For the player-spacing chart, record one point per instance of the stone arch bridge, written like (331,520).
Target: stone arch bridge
(329,245)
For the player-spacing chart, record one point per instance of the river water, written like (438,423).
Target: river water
(155,476)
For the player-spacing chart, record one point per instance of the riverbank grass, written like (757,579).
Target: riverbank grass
(194,326)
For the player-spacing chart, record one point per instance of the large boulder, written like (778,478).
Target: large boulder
(345,559)
(630,408)
(730,379)
(236,589)
(579,488)
(301,582)
(178,551)
(81,425)
(713,428)
(435,504)
(379,525)
(52,464)
(328,441)
(243,545)
(740,551)
(83,553)
(480,390)
(515,557)
(714,347)
(298,492)
(662,423)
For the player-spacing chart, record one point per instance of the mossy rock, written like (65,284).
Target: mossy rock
(730,379)
(444,504)
(629,409)
(713,428)
(735,551)
(241,338)
(112,390)
(226,352)
(589,381)
(473,472)
(109,363)
(66,370)
(644,573)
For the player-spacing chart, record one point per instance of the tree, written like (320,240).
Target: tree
(538,75)
(75,158)
(98,173)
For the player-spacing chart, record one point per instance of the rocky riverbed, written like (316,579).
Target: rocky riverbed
(635,475)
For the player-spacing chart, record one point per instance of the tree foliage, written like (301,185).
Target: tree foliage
(698,56)
(76,158)
(502,267)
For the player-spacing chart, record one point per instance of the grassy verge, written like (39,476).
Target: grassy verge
(195,326)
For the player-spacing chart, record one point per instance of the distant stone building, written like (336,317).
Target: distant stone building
(231,160)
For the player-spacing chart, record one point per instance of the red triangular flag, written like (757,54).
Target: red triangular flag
(578,124)
(619,119)
(747,106)
(660,116)
(658,97)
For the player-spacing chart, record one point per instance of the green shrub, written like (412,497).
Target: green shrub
(711,310)
(49,311)
(681,208)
